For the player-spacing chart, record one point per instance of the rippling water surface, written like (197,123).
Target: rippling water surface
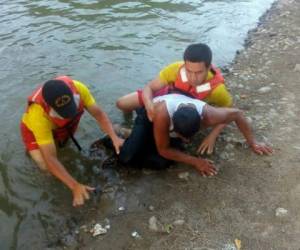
(114,47)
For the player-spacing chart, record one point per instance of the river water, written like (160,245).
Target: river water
(112,46)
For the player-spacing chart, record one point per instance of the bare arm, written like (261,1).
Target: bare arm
(80,192)
(105,125)
(209,142)
(148,91)
(161,123)
(213,116)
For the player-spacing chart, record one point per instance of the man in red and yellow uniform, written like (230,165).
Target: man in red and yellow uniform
(195,77)
(52,115)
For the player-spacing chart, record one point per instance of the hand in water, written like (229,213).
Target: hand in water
(205,168)
(261,148)
(207,145)
(118,143)
(81,194)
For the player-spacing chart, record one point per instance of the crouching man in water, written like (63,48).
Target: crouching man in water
(182,116)
(53,114)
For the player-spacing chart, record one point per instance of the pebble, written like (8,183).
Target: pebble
(264,90)
(98,230)
(121,208)
(135,235)
(224,156)
(178,222)
(281,212)
(151,208)
(229,147)
(183,175)
(249,120)
(153,224)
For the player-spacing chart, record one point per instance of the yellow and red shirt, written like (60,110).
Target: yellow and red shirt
(38,122)
(219,96)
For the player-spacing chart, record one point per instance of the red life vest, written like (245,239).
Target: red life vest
(201,91)
(65,126)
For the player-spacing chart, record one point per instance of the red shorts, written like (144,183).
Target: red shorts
(28,138)
(160,92)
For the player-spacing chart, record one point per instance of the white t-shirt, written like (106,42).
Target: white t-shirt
(173,101)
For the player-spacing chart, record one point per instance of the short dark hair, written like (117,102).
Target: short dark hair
(198,52)
(186,121)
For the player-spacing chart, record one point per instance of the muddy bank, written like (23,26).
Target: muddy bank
(253,199)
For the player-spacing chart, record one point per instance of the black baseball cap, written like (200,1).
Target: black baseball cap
(60,97)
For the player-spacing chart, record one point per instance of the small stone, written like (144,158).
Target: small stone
(98,230)
(297,68)
(249,120)
(224,156)
(151,208)
(178,222)
(121,208)
(183,175)
(229,147)
(153,224)
(281,212)
(135,235)
(264,90)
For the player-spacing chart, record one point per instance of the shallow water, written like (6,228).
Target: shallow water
(114,47)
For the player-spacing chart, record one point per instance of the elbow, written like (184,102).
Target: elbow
(164,153)
(236,114)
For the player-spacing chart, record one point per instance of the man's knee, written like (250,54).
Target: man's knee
(128,102)
(120,103)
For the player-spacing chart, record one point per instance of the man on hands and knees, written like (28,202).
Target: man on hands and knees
(52,116)
(179,115)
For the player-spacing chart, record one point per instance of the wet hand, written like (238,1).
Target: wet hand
(207,145)
(206,168)
(118,143)
(81,194)
(261,148)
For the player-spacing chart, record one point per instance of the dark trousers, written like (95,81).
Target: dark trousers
(140,149)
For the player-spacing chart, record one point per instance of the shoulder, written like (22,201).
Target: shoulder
(161,112)
(174,66)
(80,86)
(169,73)
(36,110)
